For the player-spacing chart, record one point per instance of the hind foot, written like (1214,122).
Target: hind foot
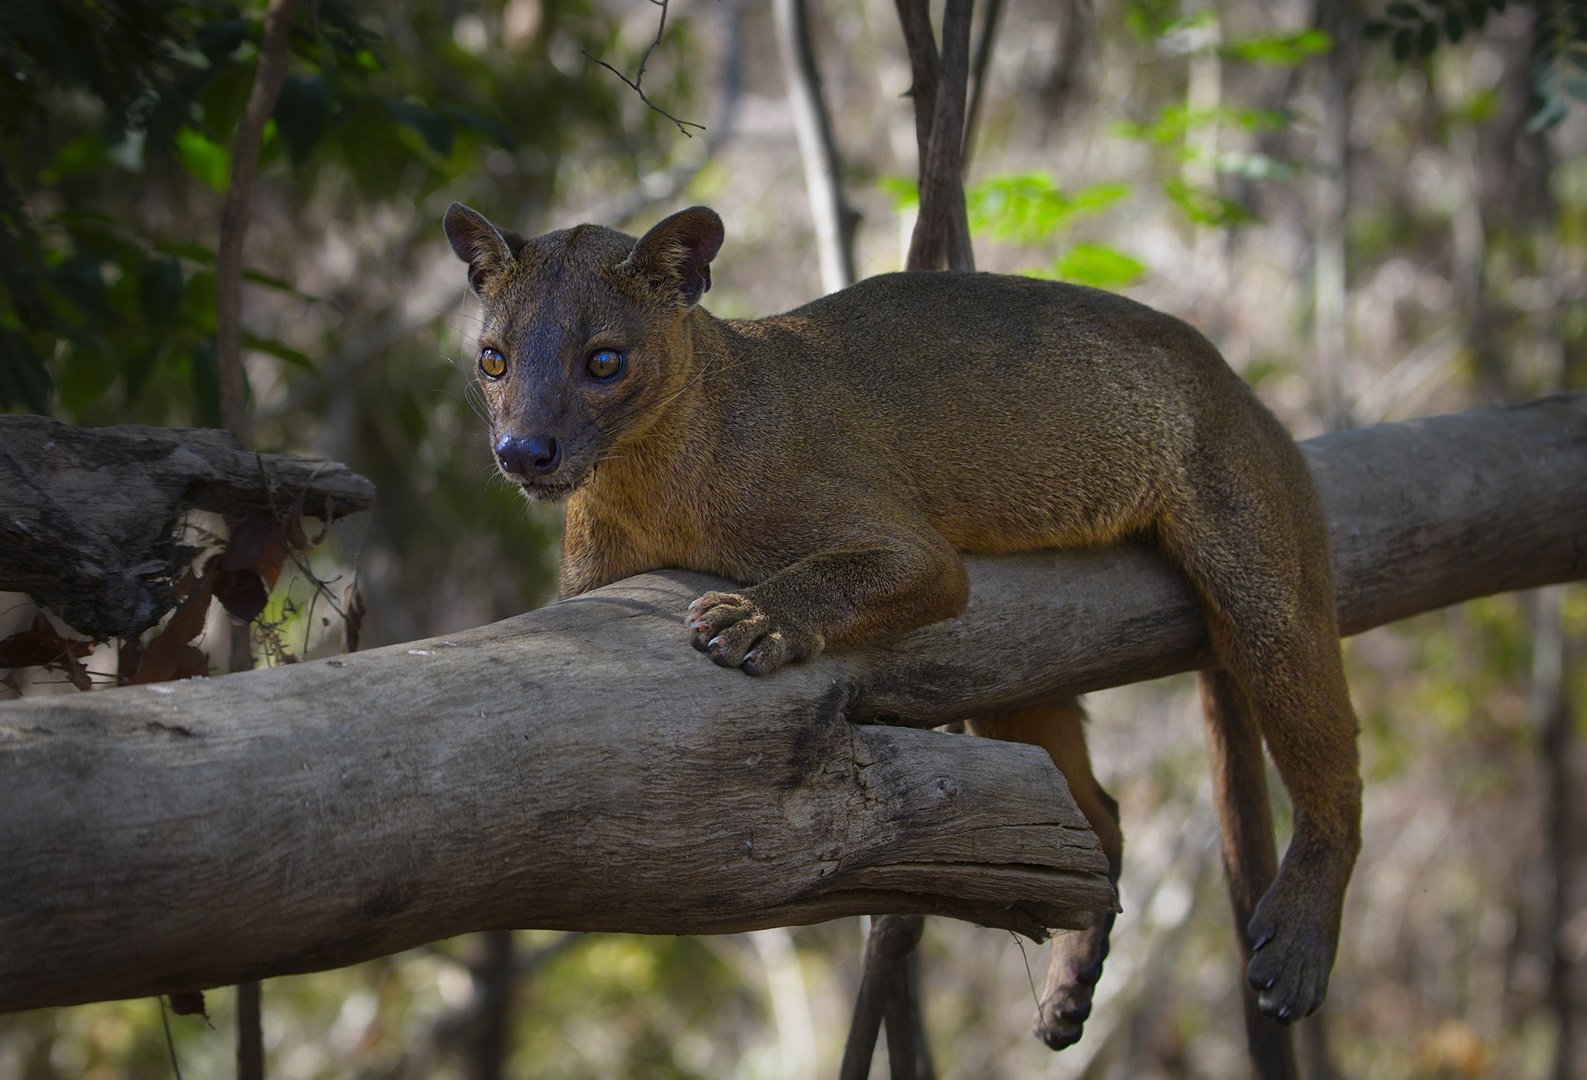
(1072,976)
(1292,953)
(1294,933)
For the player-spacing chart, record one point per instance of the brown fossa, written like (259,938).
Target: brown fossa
(838,458)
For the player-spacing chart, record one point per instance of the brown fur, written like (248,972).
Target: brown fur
(837,460)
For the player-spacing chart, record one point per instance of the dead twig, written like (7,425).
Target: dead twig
(639,77)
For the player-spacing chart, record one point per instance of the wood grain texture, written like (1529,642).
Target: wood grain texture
(580,767)
(88,516)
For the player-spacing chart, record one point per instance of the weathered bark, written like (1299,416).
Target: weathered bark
(942,230)
(579,767)
(88,517)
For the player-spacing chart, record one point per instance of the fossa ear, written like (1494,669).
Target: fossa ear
(479,243)
(674,258)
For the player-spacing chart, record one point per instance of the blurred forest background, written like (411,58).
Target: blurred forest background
(1370,226)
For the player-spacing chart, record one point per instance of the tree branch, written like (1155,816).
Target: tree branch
(834,218)
(580,768)
(639,77)
(267,81)
(942,230)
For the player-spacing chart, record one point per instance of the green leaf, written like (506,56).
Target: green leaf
(1377,28)
(278,349)
(24,380)
(904,192)
(219,39)
(475,120)
(1427,41)
(1404,43)
(259,278)
(1551,109)
(160,288)
(1477,12)
(196,252)
(300,115)
(205,377)
(1402,10)
(1205,207)
(203,159)
(1282,50)
(1454,26)
(137,365)
(1027,208)
(432,126)
(1100,267)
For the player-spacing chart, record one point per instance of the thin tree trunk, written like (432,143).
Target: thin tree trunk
(494,977)
(250,1032)
(267,82)
(978,69)
(1336,84)
(942,230)
(834,219)
(914,16)
(234,212)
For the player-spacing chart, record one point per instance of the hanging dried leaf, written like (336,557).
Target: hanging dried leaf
(243,593)
(160,656)
(353,616)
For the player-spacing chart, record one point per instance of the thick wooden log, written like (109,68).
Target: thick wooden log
(580,767)
(88,516)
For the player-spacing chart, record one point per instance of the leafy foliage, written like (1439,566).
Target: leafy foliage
(1559,43)
(99,301)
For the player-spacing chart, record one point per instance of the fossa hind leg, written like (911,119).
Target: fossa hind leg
(1058,726)
(1253,542)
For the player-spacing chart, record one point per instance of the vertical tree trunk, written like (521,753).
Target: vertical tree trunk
(250,1032)
(978,69)
(1336,85)
(494,977)
(942,230)
(267,81)
(271,72)
(833,217)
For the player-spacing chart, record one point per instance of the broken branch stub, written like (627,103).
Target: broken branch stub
(88,517)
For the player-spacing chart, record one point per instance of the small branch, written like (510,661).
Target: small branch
(915,18)
(834,219)
(942,230)
(639,77)
(884,995)
(267,81)
(983,60)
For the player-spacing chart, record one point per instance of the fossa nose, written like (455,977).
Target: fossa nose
(529,456)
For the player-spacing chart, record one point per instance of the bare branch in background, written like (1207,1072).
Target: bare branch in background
(942,230)
(983,60)
(234,211)
(663,187)
(834,219)
(639,77)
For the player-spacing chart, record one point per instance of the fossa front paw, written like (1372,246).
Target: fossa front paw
(737,632)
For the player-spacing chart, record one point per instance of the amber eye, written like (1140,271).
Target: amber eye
(492,364)
(605,365)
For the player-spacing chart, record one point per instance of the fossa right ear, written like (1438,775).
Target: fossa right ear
(478,243)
